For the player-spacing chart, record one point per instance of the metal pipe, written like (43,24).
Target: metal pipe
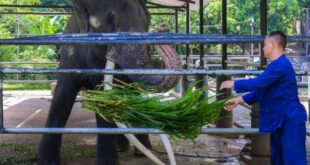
(37,6)
(160,5)
(142,71)
(36,13)
(201,21)
(178,8)
(122,131)
(200,78)
(299,85)
(172,13)
(30,63)
(135,71)
(224,31)
(263,27)
(29,81)
(176,17)
(59,13)
(225,119)
(140,38)
(1,101)
(187,32)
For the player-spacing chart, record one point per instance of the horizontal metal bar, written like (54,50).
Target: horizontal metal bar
(179,8)
(58,13)
(122,131)
(142,71)
(36,13)
(141,38)
(160,5)
(132,71)
(70,7)
(162,13)
(37,6)
(302,85)
(29,63)
(29,81)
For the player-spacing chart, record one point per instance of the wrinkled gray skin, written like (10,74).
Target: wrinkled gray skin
(97,16)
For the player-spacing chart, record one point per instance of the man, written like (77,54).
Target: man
(281,112)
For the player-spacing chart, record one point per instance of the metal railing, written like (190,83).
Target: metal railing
(140,38)
(131,38)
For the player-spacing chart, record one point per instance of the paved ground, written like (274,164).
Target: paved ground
(30,109)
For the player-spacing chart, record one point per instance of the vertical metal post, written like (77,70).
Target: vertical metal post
(185,81)
(200,78)
(307,32)
(263,28)
(201,22)
(260,143)
(309,98)
(252,44)
(187,29)
(226,116)
(176,17)
(1,101)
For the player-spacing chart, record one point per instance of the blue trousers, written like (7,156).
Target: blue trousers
(288,144)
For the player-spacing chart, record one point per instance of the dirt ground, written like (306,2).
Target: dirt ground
(30,109)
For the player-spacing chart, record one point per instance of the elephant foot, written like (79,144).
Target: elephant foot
(121,144)
(107,161)
(48,162)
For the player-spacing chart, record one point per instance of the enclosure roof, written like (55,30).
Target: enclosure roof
(194,4)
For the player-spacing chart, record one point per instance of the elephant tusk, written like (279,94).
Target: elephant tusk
(131,137)
(140,146)
(168,147)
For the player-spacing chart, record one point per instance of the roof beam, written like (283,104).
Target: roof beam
(190,1)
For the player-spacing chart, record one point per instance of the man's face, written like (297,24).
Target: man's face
(268,46)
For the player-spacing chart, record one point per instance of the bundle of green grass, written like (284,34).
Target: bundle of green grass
(181,118)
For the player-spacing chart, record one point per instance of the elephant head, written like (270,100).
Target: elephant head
(109,16)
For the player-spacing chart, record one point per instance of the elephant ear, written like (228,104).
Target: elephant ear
(146,13)
(143,1)
(82,14)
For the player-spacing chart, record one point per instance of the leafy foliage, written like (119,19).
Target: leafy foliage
(181,118)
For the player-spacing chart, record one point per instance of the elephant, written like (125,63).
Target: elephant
(101,16)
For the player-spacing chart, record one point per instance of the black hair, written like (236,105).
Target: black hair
(281,38)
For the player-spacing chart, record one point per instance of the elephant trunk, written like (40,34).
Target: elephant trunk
(171,61)
(136,57)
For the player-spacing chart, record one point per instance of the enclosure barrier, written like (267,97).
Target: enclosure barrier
(131,38)
(141,38)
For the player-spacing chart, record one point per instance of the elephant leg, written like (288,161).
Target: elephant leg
(106,151)
(121,143)
(63,100)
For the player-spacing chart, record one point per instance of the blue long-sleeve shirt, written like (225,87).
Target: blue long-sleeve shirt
(277,93)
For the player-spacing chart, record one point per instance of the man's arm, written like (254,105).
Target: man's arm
(251,98)
(268,77)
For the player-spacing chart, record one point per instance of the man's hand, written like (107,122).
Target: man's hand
(232,103)
(227,85)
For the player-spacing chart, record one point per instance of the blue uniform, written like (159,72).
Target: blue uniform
(281,112)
